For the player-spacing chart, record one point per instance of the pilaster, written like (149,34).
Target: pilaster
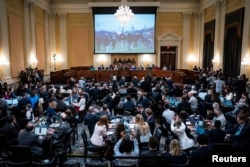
(33,33)
(217,53)
(5,66)
(186,38)
(63,38)
(221,31)
(52,38)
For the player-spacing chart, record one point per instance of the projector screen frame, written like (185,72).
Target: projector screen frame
(147,33)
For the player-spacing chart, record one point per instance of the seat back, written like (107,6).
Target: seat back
(71,164)
(2,120)
(2,162)
(222,147)
(43,164)
(20,153)
(85,139)
(124,165)
(158,134)
(3,142)
(18,164)
(96,164)
(173,165)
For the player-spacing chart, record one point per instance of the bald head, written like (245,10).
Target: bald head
(29,127)
(91,109)
(63,116)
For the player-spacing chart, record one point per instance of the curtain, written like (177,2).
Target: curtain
(208,51)
(232,53)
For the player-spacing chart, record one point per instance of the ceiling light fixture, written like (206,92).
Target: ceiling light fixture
(124,14)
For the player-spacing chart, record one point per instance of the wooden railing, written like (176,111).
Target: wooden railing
(63,76)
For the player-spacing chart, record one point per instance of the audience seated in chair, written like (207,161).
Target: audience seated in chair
(175,155)
(130,147)
(216,135)
(29,138)
(240,135)
(149,157)
(10,130)
(179,129)
(150,120)
(202,155)
(91,119)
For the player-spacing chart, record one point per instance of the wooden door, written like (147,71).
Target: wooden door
(168,57)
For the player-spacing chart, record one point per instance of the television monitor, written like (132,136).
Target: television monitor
(136,36)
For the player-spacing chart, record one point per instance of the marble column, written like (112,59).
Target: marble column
(197,35)
(221,32)
(201,37)
(186,39)
(217,54)
(33,33)
(63,38)
(5,69)
(27,31)
(246,33)
(52,40)
(47,43)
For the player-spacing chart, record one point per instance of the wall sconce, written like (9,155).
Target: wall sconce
(102,59)
(3,64)
(216,60)
(146,60)
(33,61)
(245,62)
(57,61)
(191,61)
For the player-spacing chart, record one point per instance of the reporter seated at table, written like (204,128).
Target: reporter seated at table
(201,157)
(100,132)
(141,129)
(178,128)
(240,135)
(175,156)
(51,112)
(3,104)
(105,111)
(58,133)
(91,119)
(219,115)
(149,157)
(150,119)
(215,134)
(28,138)
(130,147)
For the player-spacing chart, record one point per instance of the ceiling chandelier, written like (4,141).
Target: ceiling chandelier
(124,14)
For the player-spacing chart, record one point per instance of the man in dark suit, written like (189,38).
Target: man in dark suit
(150,120)
(28,138)
(240,134)
(202,156)
(129,105)
(61,106)
(216,135)
(183,105)
(10,130)
(90,119)
(140,110)
(3,103)
(58,135)
(24,101)
(105,111)
(132,91)
(149,158)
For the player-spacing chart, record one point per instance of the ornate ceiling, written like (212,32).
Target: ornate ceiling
(87,1)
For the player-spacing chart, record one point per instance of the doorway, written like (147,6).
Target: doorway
(168,57)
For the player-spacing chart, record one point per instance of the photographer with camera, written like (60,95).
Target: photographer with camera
(130,148)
